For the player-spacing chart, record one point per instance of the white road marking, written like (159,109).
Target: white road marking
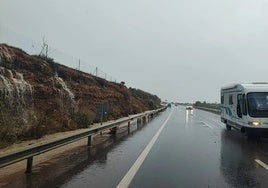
(261,163)
(134,169)
(207,125)
(218,123)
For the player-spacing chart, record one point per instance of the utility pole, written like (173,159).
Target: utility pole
(44,49)
(79,65)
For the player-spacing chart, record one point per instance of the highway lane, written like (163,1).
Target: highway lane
(188,150)
(195,150)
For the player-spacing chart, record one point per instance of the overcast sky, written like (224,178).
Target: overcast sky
(180,50)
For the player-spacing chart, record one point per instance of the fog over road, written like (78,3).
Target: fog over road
(188,149)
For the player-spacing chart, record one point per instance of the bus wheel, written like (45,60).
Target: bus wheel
(228,127)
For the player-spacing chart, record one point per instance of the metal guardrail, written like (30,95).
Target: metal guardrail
(213,110)
(29,152)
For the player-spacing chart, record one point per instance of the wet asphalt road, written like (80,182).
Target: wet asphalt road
(193,150)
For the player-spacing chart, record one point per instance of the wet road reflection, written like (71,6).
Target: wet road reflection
(238,160)
(62,167)
(189,115)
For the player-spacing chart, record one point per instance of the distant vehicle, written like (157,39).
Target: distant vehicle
(245,107)
(189,107)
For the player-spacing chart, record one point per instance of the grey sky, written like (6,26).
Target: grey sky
(181,50)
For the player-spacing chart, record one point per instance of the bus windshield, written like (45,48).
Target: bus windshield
(258,104)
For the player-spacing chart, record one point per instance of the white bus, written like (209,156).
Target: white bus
(245,107)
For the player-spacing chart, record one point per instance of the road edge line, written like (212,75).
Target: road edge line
(135,167)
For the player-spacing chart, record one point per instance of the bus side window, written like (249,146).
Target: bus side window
(244,105)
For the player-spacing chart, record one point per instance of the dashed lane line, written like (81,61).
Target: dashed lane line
(207,125)
(261,163)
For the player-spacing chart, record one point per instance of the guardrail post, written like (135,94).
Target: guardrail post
(128,127)
(89,141)
(138,122)
(29,165)
(144,120)
(114,130)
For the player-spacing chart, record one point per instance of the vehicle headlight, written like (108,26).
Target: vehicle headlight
(254,123)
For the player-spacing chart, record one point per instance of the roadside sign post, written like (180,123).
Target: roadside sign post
(102,111)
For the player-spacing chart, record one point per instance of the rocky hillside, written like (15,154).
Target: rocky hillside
(39,96)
